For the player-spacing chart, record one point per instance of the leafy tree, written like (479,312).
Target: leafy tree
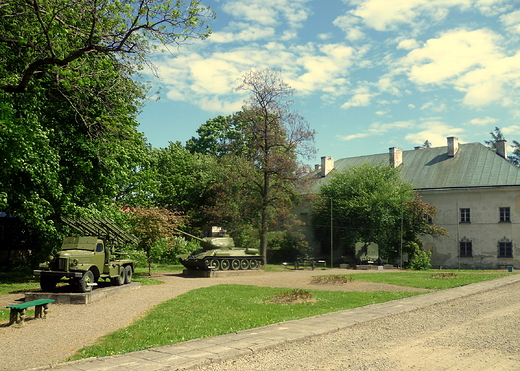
(46,36)
(68,102)
(219,136)
(54,161)
(370,203)
(154,226)
(275,136)
(184,180)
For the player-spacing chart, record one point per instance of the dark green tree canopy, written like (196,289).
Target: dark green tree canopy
(220,136)
(371,203)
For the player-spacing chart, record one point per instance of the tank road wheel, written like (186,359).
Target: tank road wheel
(244,264)
(128,273)
(48,284)
(120,279)
(224,265)
(235,264)
(84,283)
(214,264)
(254,264)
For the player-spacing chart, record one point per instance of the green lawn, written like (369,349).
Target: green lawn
(429,279)
(223,309)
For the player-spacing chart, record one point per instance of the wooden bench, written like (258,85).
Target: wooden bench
(40,305)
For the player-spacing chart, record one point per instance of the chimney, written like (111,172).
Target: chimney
(502,148)
(396,156)
(453,146)
(327,164)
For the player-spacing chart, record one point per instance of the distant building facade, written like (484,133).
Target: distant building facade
(476,190)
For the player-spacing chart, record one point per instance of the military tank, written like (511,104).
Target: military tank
(220,253)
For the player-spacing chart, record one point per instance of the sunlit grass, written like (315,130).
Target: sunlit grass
(223,309)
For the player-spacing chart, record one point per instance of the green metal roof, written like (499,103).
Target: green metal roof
(474,165)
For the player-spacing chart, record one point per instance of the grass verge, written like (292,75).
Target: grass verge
(427,280)
(224,309)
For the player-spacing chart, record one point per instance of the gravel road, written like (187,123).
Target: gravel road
(479,332)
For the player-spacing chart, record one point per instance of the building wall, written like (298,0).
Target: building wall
(484,230)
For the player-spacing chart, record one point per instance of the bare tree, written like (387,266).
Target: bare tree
(276,137)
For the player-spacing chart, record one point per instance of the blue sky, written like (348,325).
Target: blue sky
(368,74)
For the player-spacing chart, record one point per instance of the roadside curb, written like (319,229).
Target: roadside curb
(191,353)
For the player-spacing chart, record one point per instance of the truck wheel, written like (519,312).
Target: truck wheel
(128,274)
(85,281)
(48,284)
(119,280)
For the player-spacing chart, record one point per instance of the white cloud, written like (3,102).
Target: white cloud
(511,21)
(378,128)
(251,33)
(435,132)
(513,129)
(353,136)
(482,121)
(385,15)
(268,12)
(472,62)
(361,98)
(408,44)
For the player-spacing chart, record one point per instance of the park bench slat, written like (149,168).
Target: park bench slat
(32,303)
(19,310)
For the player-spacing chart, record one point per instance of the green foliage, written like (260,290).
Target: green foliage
(47,37)
(366,205)
(258,149)
(372,203)
(185,181)
(421,260)
(239,308)
(220,136)
(425,280)
(154,227)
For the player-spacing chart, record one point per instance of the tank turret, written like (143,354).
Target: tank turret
(220,253)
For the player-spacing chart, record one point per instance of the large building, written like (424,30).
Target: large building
(476,190)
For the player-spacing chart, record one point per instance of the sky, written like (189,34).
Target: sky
(368,74)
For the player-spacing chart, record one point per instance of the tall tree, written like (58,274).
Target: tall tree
(276,136)
(368,203)
(219,136)
(184,181)
(69,101)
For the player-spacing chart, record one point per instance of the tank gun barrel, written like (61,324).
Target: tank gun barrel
(189,235)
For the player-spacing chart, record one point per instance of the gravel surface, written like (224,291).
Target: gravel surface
(70,327)
(478,332)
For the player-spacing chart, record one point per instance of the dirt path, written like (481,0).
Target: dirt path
(72,327)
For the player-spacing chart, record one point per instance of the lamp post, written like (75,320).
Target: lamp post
(331,238)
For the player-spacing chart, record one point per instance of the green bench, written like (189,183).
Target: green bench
(41,306)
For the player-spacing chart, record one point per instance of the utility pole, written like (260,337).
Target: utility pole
(331,238)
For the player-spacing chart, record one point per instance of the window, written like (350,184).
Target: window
(505,214)
(99,247)
(505,248)
(465,247)
(464,216)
